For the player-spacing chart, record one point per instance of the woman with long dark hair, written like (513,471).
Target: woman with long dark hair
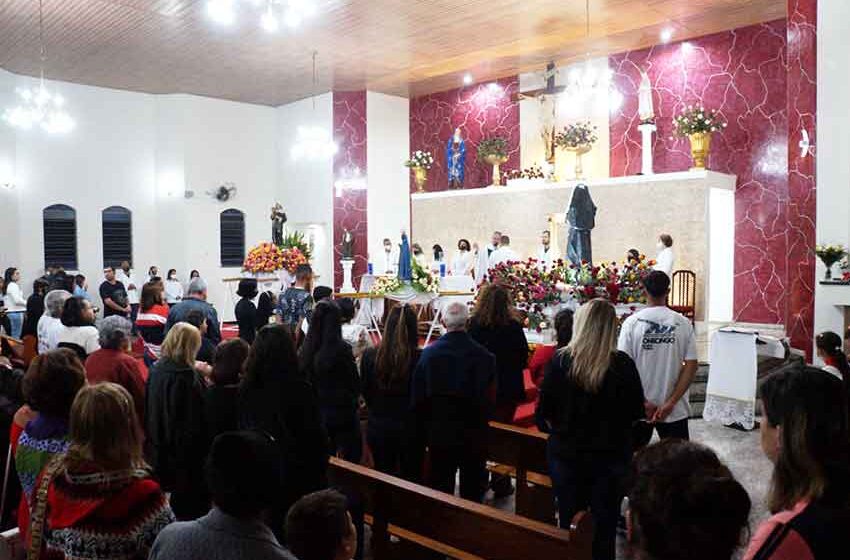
(589,400)
(79,332)
(274,398)
(35,307)
(805,435)
(830,349)
(328,363)
(495,326)
(386,372)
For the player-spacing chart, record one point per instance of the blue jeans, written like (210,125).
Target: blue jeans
(594,482)
(16,322)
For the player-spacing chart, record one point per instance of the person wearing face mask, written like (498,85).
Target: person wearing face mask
(462,262)
(389,262)
(666,259)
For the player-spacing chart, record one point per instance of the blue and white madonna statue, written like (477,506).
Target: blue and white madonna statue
(455,156)
(405,271)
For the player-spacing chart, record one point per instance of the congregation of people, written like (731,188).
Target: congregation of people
(149,434)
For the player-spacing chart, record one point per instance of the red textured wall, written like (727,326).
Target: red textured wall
(481,111)
(802,207)
(349,133)
(743,74)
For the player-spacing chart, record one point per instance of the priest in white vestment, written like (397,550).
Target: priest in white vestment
(666,260)
(546,254)
(503,254)
(463,261)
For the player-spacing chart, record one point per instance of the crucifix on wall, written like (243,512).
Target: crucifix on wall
(548,99)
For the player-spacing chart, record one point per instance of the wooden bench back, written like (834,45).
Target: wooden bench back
(428,516)
(522,453)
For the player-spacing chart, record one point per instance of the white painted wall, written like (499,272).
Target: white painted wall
(596,110)
(388,145)
(9,222)
(833,145)
(144,151)
(305,186)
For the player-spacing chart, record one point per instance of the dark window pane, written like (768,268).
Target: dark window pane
(232,238)
(60,236)
(117,236)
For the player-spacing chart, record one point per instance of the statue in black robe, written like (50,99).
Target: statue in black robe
(278,217)
(581,218)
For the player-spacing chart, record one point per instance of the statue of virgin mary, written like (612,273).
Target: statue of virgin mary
(455,157)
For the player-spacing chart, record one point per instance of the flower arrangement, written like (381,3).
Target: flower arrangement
(422,280)
(292,257)
(385,285)
(295,240)
(844,265)
(696,119)
(496,148)
(420,159)
(618,284)
(533,172)
(631,280)
(532,289)
(265,257)
(829,255)
(576,135)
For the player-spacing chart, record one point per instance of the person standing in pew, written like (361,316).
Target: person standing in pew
(589,400)
(495,326)
(454,386)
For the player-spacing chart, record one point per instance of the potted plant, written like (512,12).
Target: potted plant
(577,138)
(698,125)
(829,255)
(420,162)
(493,151)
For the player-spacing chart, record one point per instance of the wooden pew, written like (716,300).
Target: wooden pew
(451,526)
(521,453)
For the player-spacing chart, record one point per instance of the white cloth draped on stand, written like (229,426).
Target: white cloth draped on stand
(733,372)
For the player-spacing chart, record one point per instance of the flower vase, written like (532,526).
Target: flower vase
(700,147)
(579,151)
(496,161)
(828,274)
(420,175)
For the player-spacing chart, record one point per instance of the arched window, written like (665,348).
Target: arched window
(117,236)
(60,236)
(232,235)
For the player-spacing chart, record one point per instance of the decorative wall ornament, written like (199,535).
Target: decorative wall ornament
(224,192)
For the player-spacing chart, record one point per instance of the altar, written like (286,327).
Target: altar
(696,208)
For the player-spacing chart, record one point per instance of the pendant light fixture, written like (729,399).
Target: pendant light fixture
(313,142)
(38,107)
(588,82)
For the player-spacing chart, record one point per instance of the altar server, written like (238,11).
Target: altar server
(389,258)
(504,253)
(462,261)
(666,259)
(495,241)
(546,254)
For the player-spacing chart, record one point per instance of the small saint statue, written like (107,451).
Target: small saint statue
(347,245)
(581,216)
(455,157)
(278,218)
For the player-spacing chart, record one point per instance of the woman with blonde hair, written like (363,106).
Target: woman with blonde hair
(177,440)
(589,400)
(100,496)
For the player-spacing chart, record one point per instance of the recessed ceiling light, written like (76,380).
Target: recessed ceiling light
(666,34)
(221,11)
(467,79)
(269,21)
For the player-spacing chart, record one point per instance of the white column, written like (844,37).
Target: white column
(646,131)
(347,286)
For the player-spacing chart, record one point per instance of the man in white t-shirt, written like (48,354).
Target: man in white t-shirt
(663,346)
(125,276)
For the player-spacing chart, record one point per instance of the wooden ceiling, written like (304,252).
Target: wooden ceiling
(401,47)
